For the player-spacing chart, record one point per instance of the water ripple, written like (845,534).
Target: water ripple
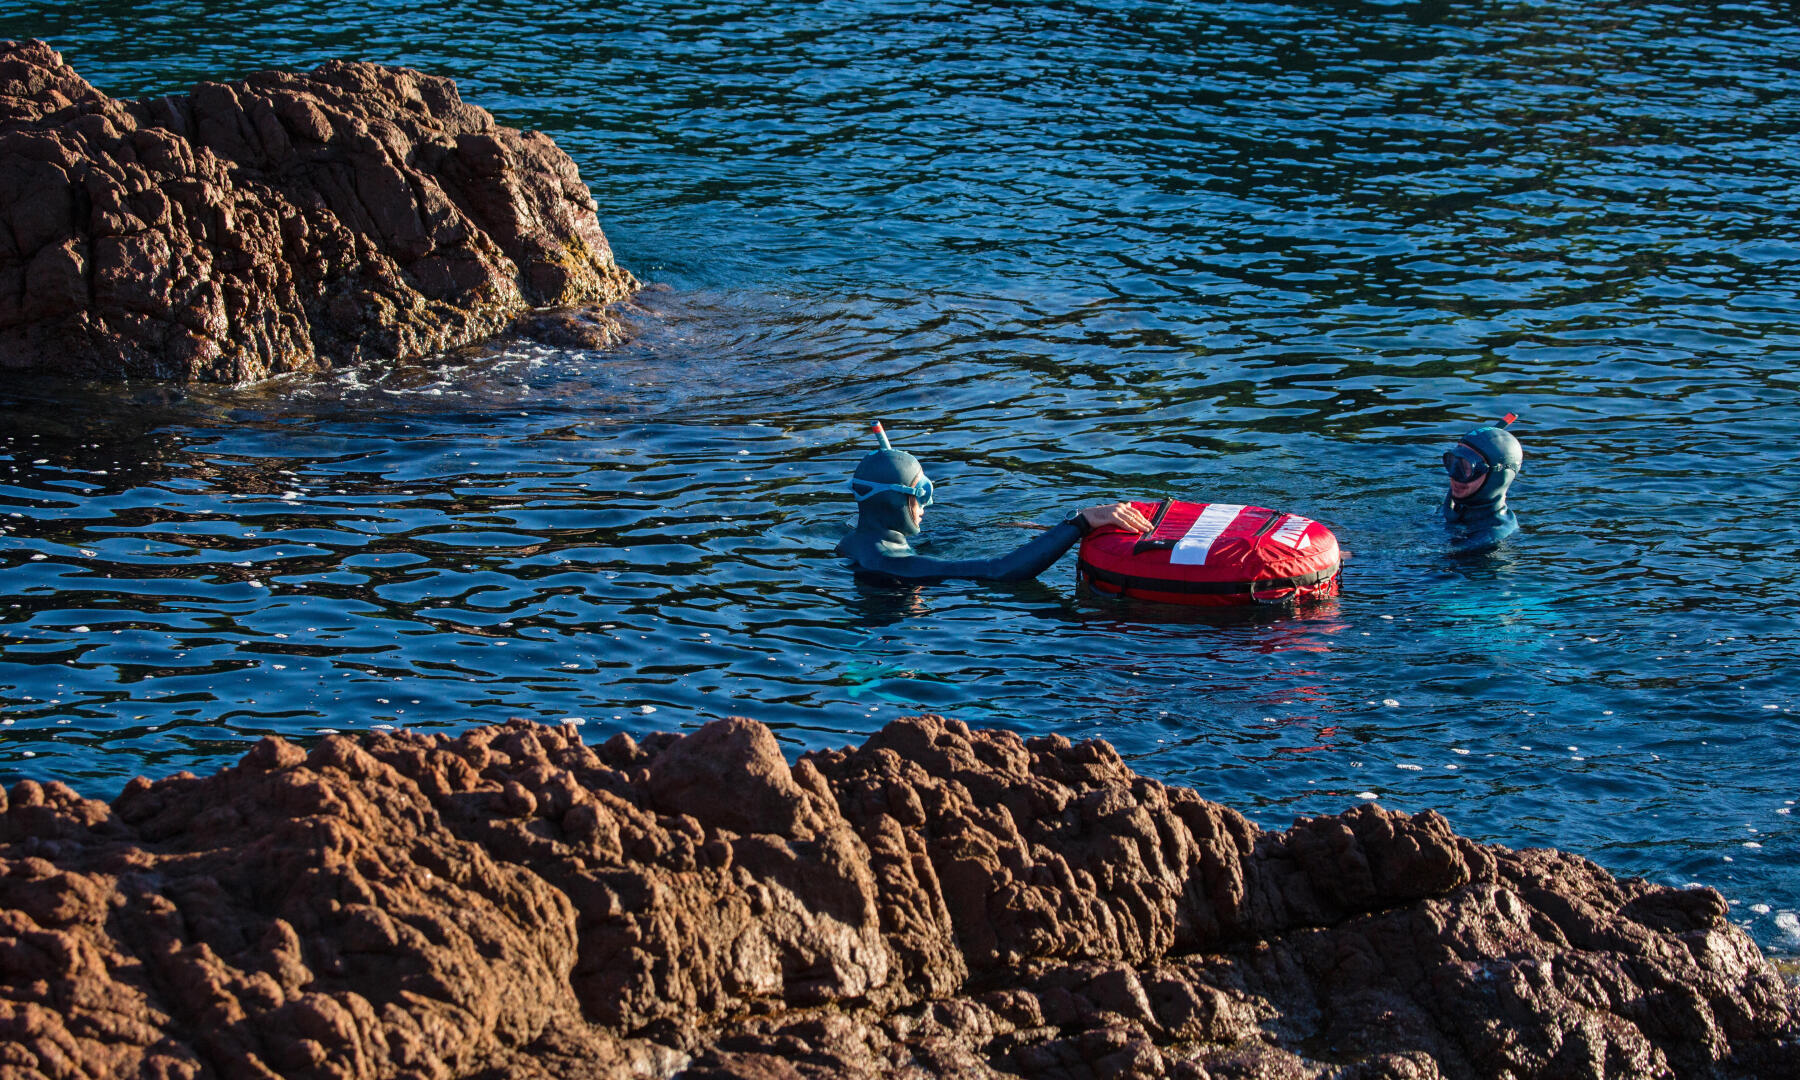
(1070,251)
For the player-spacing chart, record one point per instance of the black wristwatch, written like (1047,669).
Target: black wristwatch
(1080,523)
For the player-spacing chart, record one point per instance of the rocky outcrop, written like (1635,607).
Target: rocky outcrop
(282,223)
(936,902)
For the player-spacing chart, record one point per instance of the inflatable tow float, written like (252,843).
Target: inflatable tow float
(1214,554)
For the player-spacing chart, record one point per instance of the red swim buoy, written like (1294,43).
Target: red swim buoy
(1214,553)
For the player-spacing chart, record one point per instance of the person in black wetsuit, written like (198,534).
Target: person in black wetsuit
(1481,467)
(892,492)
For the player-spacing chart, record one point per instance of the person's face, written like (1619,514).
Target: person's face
(1468,470)
(914,511)
(1462,489)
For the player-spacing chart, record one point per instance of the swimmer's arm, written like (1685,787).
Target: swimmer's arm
(1024,562)
(1029,559)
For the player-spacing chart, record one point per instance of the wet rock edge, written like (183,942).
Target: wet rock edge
(282,223)
(937,901)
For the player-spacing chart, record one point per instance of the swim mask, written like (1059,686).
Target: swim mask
(867,489)
(1489,449)
(1464,463)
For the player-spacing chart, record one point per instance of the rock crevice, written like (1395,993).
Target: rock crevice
(282,223)
(938,901)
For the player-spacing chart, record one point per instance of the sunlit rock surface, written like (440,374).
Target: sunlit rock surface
(936,902)
(282,223)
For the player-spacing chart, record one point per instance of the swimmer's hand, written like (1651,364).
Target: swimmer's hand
(1121,515)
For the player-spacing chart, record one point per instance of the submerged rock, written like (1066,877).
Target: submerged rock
(281,223)
(936,902)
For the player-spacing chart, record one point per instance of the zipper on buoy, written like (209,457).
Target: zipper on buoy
(1150,542)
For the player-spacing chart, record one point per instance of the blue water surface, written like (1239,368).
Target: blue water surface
(1253,252)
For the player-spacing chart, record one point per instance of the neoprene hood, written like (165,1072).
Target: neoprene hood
(1503,455)
(879,506)
(1480,520)
(883,482)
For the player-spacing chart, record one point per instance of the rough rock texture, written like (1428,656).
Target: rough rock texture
(282,223)
(936,902)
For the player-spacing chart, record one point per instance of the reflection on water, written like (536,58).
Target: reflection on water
(1249,253)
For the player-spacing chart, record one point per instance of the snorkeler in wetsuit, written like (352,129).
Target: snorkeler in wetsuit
(1481,467)
(892,492)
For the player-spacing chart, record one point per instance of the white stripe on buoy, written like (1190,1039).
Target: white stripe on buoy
(1293,534)
(1191,549)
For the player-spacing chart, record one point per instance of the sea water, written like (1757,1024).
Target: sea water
(1278,254)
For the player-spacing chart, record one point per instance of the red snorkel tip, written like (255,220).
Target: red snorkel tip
(1505,421)
(880,435)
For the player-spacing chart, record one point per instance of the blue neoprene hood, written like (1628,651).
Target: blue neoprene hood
(1480,521)
(883,509)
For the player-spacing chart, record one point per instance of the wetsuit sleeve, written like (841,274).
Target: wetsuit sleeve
(1026,561)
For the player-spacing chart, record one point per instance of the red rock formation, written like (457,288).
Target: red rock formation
(936,902)
(282,223)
